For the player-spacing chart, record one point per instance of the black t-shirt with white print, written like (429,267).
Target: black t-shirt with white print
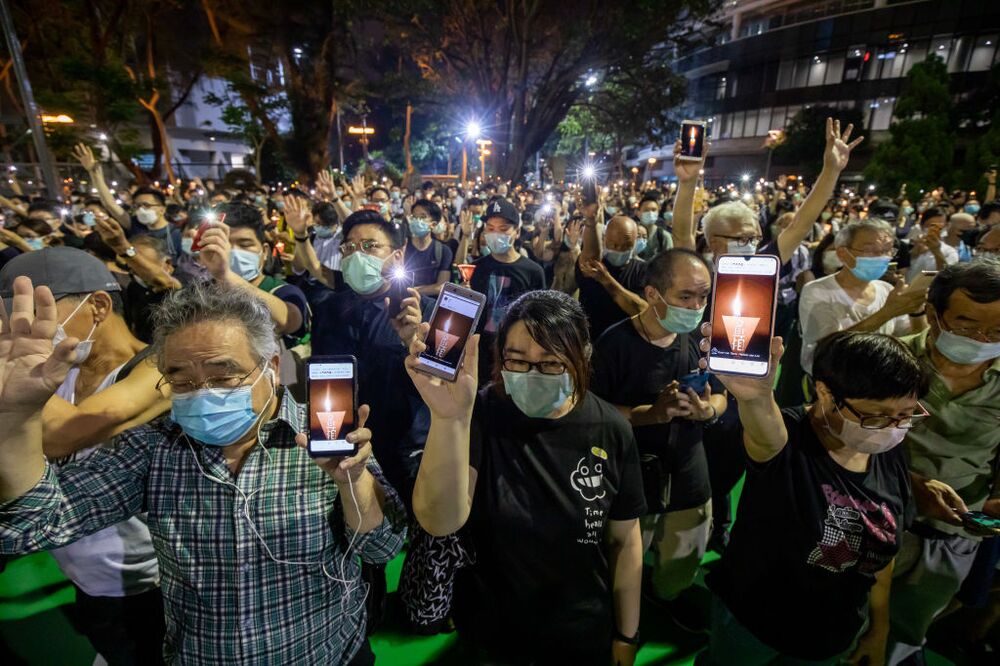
(809,539)
(545,491)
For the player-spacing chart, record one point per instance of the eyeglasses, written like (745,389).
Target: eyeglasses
(978,334)
(223,383)
(743,240)
(366,246)
(545,367)
(879,421)
(891,253)
(986,251)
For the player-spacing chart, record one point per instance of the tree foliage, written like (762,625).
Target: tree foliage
(805,137)
(920,148)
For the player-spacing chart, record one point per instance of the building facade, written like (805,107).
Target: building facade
(772,58)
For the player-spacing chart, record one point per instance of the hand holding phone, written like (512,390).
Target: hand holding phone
(744,299)
(696,380)
(331,383)
(211,220)
(692,140)
(981,523)
(452,323)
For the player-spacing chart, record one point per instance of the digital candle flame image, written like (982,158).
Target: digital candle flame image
(443,340)
(330,421)
(466,271)
(692,138)
(739,329)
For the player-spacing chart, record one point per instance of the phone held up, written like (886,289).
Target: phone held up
(453,322)
(332,387)
(210,220)
(692,140)
(744,300)
(399,281)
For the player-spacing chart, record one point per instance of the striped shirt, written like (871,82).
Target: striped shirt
(226,600)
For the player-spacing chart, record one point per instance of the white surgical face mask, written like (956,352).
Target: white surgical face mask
(865,440)
(84,347)
(147,216)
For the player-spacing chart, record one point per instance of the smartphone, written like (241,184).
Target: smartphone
(399,281)
(744,299)
(211,220)
(981,521)
(453,321)
(589,187)
(695,380)
(692,140)
(331,383)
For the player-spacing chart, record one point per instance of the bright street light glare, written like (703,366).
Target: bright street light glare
(591,80)
(588,171)
(745,177)
(473,130)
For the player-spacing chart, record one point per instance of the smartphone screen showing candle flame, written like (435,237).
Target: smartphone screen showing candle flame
(692,139)
(743,315)
(451,326)
(331,408)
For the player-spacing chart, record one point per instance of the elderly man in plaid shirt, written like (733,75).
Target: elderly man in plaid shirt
(258,544)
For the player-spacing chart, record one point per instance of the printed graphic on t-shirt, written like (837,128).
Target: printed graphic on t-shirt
(497,301)
(588,480)
(853,533)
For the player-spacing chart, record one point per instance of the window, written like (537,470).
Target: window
(750,126)
(778,117)
(720,88)
(790,114)
(880,113)
(801,76)
(737,129)
(763,122)
(870,67)
(941,47)
(834,70)
(722,126)
(914,53)
(892,62)
(982,53)
(817,71)
(785,69)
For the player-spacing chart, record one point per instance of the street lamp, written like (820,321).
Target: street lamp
(745,178)
(473,130)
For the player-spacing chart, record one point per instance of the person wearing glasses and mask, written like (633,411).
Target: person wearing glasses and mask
(807,574)
(257,542)
(988,244)
(953,455)
(855,298)
(540,479)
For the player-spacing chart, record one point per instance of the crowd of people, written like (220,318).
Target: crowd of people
(154,411)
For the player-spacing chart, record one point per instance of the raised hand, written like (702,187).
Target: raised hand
(595,270)
(688,170)
(838,150)
(446,400)
(341,467)
(30,369)
(407,322)
(325,185)
(215,249)
(298,215)
(357,188)
(465,222)
(111,233)
(574,232)
(85,156)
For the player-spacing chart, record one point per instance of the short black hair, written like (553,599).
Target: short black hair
(243,216)
(117,304)
(932,212)
(46,205)
(156,194)
(650,196)
(988,209)
(375,189)
(325,214)
(427,185)
(979,279)
(393,230)
(40,227)
(474,201)
(432,208)
(95,245)
(660,269)
(557,322)
(868,366)
(784,206)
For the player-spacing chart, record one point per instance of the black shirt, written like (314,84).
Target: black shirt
(503,283)
(541,582)
(810,537)
(601,309)
(630,371)
(424,265)
(345,323)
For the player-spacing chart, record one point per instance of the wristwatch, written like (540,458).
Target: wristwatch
(128,253)
(300,239)
(622,638)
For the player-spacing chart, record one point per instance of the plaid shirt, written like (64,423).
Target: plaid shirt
(225,600)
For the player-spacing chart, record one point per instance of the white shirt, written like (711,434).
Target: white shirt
(824,308)
(925,262)
(119,560)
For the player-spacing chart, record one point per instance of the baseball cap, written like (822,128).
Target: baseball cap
(500,207)
(64,270)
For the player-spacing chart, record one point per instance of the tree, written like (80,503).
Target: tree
(521,66)
(920,148)
(242,121)
(979,124)
(805,137)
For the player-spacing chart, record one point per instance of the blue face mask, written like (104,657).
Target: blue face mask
(611,210)
(280,205)
(971,209)
(419,227)
(679,320)
(186,245)
(363,272)
(498,243)
(244,263)
(88,219)
(35,243)
(484,251)
(668,216)
(216,418)
(965,351)
(617,259)
(648,218)
(870,268)
(907,210)
(383,208)
(640,245)
(535,394)
(323,232)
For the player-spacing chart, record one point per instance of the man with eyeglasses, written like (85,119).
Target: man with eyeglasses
(149,208)
(855,298)
(953,454)
(257,542)
(988,244)
(110,388)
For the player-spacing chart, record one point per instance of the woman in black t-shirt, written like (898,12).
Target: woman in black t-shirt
(541,480)
(807,572)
